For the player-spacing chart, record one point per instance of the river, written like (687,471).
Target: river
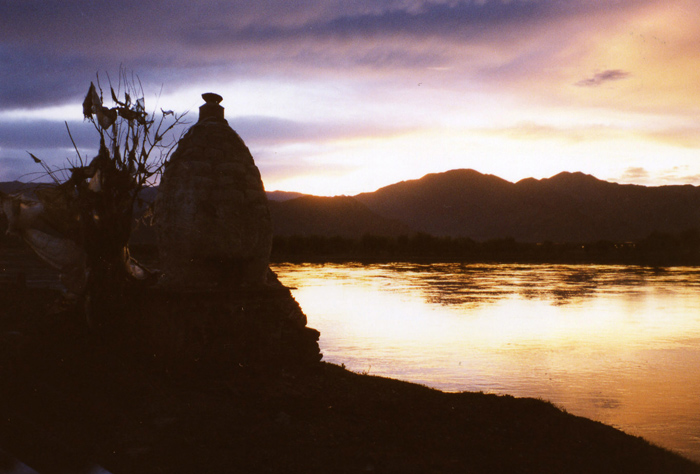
(617,344)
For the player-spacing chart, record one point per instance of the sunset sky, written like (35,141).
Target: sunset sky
(340,97)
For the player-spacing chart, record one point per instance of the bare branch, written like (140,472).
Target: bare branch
(77,152)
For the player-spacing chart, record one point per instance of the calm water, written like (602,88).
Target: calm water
(616,344)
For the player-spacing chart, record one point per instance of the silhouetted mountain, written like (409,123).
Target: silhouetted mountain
(148,194)
(568,207)
(444,204)
(283,195)
(11,187)
(330,216)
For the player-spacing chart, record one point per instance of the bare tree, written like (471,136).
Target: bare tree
(94,207)
(134,146)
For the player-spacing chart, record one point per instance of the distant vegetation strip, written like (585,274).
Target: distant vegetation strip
(657,249)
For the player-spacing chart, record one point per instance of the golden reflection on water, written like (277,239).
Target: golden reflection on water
(617,344)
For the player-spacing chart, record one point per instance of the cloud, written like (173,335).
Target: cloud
(13,168)
(51,142)
(677,136)
(572,134)
(16,164)
(635,174)
(676,175)
(341,73)
(49,52)
(34,78)
(277,169)
(601,78)
(259,130)
(454,19)
(34,134)
(48,140)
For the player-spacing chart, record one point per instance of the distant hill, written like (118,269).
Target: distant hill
(11,187)
(330,216)
(568,207)
(147,193)
(283,195)
(452,203)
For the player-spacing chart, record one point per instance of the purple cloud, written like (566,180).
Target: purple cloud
(603,77)
(49,52)
(33,134)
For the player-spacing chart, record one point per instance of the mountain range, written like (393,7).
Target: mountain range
(568,207)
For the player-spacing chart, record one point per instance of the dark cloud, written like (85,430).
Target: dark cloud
(437,19)
(455,20)
(603,77)
(14,168)
(51,49)
(31,78)
(49,139)
(17,165)
(30,135)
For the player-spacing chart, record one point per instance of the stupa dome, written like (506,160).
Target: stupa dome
(211,211)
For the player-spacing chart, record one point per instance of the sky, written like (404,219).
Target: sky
(342,97)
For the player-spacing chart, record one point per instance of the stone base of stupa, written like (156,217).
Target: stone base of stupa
(213,331)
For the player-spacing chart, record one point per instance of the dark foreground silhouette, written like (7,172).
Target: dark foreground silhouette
(70,398)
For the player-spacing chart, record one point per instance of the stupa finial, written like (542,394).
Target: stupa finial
(211,108)
(212,98)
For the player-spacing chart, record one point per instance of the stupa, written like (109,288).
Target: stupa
(212,217)
(218,305)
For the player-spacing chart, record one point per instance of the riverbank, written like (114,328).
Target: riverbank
(89,400)
(658,249)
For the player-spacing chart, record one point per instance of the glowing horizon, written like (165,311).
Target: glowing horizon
(342,98)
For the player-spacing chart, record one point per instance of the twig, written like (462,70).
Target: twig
(80,159)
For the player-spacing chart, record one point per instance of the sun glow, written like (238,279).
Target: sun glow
(364,165)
